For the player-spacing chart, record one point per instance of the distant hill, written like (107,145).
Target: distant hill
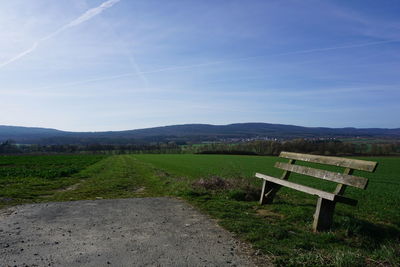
(188,132)
(27,134)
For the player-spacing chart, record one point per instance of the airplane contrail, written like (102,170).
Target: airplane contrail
(129,74)
(339,47)
(20,55)
(183,67)
(92,12)
(82,18)
(306,51)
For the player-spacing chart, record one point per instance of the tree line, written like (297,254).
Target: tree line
(320,147)
(264,147)
(10,147)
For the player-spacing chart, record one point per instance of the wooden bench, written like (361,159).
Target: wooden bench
(326,201)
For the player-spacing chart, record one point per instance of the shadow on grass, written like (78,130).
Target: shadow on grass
(373,235)
(370,234)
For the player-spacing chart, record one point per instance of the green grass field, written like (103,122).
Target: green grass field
(368,234)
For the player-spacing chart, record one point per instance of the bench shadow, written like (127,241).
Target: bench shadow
(376,233)
(353,226)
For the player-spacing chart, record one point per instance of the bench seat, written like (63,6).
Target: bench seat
(309,190)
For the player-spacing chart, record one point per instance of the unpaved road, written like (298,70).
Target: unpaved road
(119,232)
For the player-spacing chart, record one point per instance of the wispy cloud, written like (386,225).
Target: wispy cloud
(89,14)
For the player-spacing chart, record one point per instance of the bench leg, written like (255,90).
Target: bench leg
(268,192)
(323,216)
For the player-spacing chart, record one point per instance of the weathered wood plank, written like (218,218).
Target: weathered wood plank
(323,216)
(357,164)
(269,189)
(341,178)
(340,188)
(298,187)
(264,190)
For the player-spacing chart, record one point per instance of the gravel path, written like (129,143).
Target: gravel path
(119,232)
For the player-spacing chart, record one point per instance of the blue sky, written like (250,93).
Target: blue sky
(91,65)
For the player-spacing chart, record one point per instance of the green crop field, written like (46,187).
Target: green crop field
(26,178)
(225,188)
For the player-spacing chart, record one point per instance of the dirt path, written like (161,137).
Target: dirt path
(120,232)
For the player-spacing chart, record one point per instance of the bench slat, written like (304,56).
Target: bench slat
(346,179)
(309,190)
(298,187)
(356,164)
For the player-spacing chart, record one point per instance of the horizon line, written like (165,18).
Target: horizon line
(208,124)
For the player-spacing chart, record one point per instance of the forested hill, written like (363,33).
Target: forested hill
(188,133)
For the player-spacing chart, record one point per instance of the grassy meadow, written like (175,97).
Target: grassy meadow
(225,188)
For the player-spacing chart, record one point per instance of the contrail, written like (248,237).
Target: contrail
(183,67)
(129,74)
(338,47)
(20,55)
(82,18)
(92,12)
(306,51)
(134,64)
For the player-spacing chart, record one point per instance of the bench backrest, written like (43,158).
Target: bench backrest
(342,179)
